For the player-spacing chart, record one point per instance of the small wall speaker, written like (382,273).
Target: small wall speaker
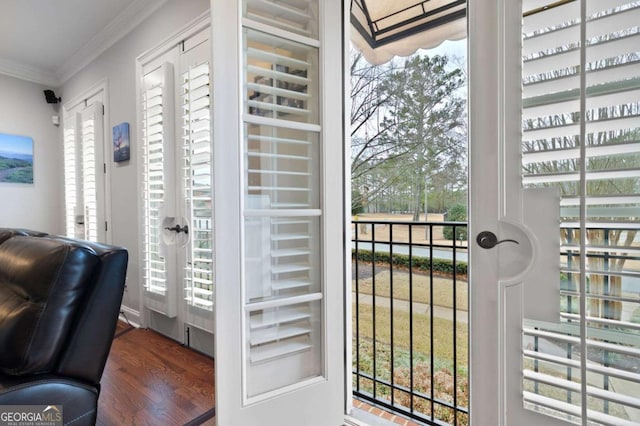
(51,98)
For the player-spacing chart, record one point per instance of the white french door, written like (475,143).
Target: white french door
(177,178)
(279,212)
(85,169)
(555,169)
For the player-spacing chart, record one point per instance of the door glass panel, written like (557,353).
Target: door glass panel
(296,16)
(281,257)
(586,118)
(281,167)
(283,293)
(551,159)
(281,80)
(612,209)
(283,339)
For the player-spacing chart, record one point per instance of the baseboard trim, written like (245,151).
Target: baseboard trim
(130,316)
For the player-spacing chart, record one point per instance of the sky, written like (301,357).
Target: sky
(16,144)
(455,48)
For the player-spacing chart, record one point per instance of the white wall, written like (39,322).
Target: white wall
(118,66)
(23,111)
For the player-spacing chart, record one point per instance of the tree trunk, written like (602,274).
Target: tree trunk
(417,205)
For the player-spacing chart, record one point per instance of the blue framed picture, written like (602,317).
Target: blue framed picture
(16,158)
(121,143)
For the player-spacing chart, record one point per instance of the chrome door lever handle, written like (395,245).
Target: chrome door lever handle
(488,240)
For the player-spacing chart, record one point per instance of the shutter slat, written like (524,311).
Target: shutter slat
(595,52)
(574,153)
(561,14)
(594,77)
(604,25)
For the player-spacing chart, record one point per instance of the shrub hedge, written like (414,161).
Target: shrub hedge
(444,266)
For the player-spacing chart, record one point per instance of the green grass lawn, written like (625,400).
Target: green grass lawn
(442,288)
(442,335)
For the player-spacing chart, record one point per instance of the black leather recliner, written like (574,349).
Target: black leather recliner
(59,304)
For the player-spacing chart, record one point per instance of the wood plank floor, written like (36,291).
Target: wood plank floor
(152,380)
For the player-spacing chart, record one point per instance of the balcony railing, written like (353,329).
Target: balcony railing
(410,318)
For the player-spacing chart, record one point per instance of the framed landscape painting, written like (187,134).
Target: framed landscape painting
(16,158)
(121,143)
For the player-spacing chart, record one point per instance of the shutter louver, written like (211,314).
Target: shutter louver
(92,176)
(70,174)
(198,186)
(555,145)
(293,16)
(280,78)
(157,176)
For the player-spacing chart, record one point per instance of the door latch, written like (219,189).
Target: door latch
(488,240)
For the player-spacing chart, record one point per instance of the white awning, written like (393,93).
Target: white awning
(382,29)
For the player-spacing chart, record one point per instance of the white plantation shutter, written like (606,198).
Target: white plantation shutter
(92,134)
(85,169)
(158,180)
(70,142)
(282,208)
(198,187)
(593,156)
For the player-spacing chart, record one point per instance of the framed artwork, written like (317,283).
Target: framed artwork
(121,143)
(16,158)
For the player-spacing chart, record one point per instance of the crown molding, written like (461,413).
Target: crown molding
(28,73)
(122,25)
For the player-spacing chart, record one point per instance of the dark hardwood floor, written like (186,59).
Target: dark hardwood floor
(152,380)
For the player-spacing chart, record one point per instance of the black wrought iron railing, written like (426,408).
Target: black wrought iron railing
(410,318)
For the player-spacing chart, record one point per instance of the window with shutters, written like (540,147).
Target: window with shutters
(581,134)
